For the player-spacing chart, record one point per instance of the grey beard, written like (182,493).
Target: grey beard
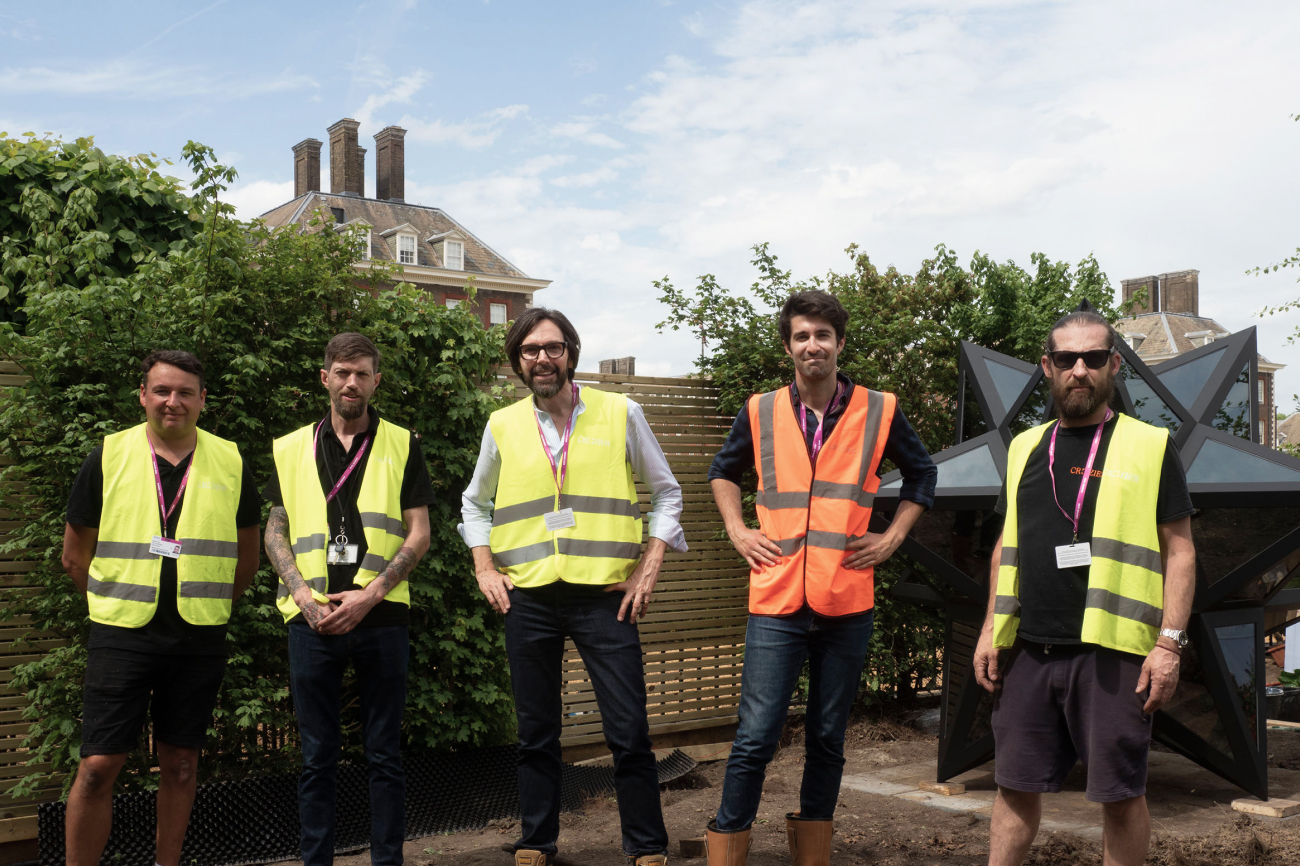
(545,391)
(349,412)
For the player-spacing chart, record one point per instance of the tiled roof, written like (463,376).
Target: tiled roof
(1166,333)
(1289,430)
(383,215)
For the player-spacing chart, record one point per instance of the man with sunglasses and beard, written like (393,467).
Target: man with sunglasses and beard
(349,522)
(553,521)
(1090,592)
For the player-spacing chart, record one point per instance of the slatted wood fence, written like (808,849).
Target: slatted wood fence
(693,635)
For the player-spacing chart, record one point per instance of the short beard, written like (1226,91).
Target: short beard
(1080,404)
(546,391)
(348,411)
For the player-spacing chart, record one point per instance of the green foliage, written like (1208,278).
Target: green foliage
(1289,678)
(258,307)
(72,214)
(903,336)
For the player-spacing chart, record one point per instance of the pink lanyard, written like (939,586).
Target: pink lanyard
(817,434)
(315,444)
(157,480)
(1087,471)
(558,473)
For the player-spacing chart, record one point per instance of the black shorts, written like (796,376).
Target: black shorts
(1069,704)
(177,692)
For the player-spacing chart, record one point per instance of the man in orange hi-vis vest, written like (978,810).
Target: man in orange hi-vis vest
(817,446)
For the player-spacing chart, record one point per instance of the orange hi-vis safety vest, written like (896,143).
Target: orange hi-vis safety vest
(813,512)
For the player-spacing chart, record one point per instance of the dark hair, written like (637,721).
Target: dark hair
(531,318)
(346,347)
(813,302)
(173,358)
(1081,318)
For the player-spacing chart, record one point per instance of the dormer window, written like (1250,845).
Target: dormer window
(361,231)
(450,249)
(406,249)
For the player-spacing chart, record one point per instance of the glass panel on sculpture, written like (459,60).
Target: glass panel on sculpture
(1238,645)
(1186,380)
(1146,405)
(1228,538)
(1193,707)
(1220,463)
(972,469)
(973,423)
(1234,415)
(1008,381)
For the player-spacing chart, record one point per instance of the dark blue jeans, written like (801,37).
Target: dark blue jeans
(775,649)
(536,625)
(316,664)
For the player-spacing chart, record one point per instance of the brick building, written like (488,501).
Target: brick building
(434,251)
(1169,324)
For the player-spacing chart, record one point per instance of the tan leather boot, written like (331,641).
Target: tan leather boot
(648,860)
(810,841)
(726,849)
(528,857)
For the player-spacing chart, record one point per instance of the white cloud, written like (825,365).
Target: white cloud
(584,132)
(477,132)
(139,80)
(604,174)
(257,197)
(401,91)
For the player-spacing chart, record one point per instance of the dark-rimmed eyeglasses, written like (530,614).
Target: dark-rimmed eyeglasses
(1095,359)
(553,350)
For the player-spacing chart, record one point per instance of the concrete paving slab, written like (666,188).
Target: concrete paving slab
(872,784)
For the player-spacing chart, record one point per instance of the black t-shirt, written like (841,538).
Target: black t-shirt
(331,462)
(166,632)
(1052,599)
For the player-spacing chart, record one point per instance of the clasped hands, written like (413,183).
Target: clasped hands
(863,551)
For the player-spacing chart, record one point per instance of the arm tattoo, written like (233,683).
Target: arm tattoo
(399,567)
(280,552)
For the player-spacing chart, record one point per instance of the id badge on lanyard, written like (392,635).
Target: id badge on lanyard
(161,545)
(1077,553)
(562,518)
(339,551)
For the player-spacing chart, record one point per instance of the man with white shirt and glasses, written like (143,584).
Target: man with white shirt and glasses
(552,518)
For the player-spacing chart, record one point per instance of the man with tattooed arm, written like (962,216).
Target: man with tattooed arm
(349,522)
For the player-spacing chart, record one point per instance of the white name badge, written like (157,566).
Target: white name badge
(168,547)
(1074,555)
(341,554)
(562,519)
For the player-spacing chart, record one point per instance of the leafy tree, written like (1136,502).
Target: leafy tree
(124,211)
(258,306)
(903,336)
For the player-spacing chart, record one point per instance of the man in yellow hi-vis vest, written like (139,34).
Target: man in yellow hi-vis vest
(161,537)
(348,524)
(1090,591)
(552,517)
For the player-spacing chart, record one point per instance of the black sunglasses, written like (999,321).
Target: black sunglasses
(1094,358)
(530,351)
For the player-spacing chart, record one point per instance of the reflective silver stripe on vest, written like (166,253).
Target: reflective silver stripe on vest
(208,547)
(320,584)
(827,540)
(522,510)
(767,440)
(379,520)
(583,504)
(206,589)
(123,550)
(521,555)
(774,500)
(839,490)
(308,543)
(790,546)
(374,562)
(875,409)
(1010,556)
(1129,554)
(1006,605)
(124,591)
(603,549)
(1126,608)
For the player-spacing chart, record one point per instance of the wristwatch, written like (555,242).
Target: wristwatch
(1177,636)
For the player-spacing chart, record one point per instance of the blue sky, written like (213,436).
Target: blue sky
(603,145)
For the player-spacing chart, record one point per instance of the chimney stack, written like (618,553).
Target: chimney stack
(347,166)
(1180,292)
(1152,285)
(306,167)
(390,163)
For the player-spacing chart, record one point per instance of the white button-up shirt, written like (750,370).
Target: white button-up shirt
(643,454)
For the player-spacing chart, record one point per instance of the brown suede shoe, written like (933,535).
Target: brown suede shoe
(726,849)
(528,857)
(648,860)
(810,841)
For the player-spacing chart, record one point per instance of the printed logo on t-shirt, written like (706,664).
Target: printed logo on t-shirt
(1117,474)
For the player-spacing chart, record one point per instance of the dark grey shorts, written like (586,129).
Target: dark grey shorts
(1068,704)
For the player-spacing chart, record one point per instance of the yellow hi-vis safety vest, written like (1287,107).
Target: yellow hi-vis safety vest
(605,544)
(379,500)
(124,576)
(1125,599)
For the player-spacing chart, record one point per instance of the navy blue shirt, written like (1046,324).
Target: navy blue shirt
(903,447)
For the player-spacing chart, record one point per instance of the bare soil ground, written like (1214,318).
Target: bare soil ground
(869,828)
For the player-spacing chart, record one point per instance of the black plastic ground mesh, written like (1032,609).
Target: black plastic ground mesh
(256,820)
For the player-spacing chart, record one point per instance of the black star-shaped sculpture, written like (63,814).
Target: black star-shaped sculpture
(1247,533)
